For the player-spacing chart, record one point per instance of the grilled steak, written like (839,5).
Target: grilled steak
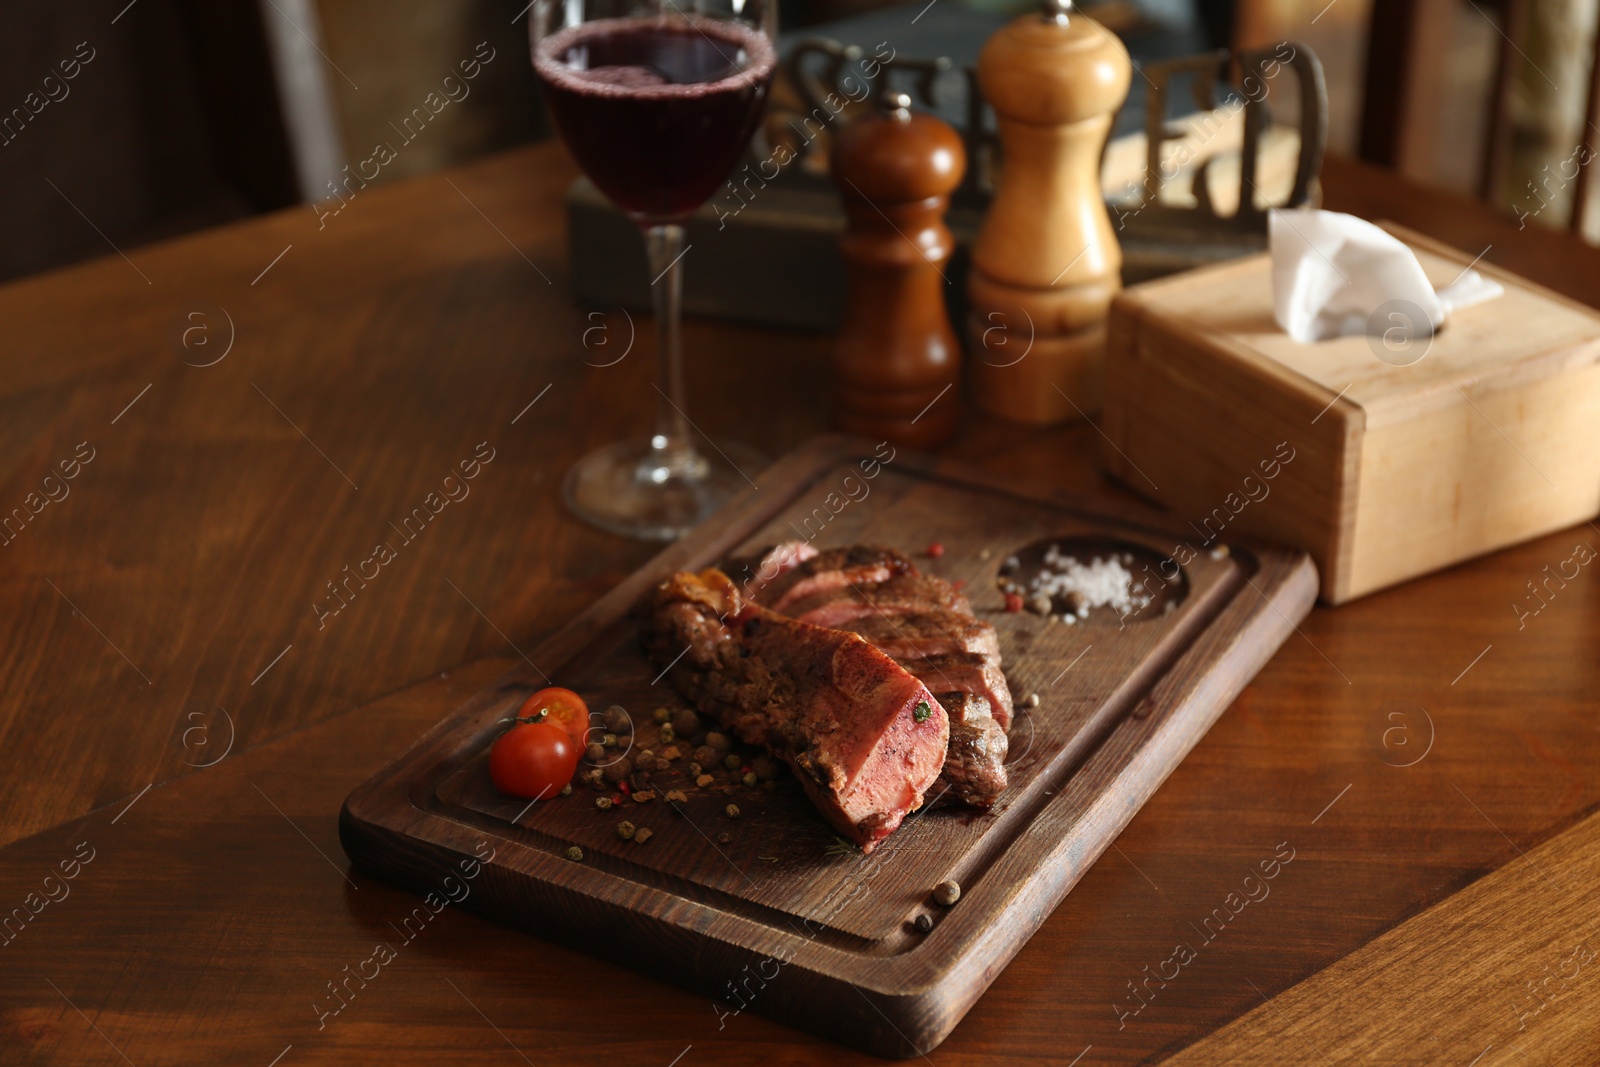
(904,594)
(777,681)
(930,633)
(865,738)
(974,767)
(965,672)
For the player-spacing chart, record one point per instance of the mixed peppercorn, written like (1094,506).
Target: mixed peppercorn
(634,764)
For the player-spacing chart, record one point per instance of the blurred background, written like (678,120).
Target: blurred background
(158,117)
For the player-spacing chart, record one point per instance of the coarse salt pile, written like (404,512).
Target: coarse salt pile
(1102,582)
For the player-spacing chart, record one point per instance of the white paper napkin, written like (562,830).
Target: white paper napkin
(1331,272)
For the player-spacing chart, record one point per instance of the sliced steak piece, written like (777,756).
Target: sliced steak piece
(905,594)
(865,738)
(965,672)
(836,568)
(974,767)
(928,633)
(755,573)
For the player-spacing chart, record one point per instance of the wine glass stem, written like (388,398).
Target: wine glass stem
(664,247)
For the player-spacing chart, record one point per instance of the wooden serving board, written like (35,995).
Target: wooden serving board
(759,913)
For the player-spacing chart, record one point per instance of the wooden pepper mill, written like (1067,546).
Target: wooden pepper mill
(1046,263)
(897,360)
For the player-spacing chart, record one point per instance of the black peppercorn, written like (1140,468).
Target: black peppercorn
(617,720)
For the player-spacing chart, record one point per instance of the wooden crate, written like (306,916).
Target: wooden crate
(1382,472)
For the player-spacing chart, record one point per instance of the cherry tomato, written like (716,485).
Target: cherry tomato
(560,707)
(533,760)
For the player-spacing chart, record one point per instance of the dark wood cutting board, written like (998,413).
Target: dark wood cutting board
(765,913)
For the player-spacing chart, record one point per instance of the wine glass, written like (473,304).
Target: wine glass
(656,100)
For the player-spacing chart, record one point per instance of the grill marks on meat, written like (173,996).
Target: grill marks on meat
(866,739)
(974,766)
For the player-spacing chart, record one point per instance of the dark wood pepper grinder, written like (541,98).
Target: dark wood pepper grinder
(897,361)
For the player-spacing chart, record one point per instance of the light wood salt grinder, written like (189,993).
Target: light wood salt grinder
(1046,263)
(897,362)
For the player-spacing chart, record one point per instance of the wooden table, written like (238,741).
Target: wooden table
(180,722)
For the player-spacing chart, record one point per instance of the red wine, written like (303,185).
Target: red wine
(657,111)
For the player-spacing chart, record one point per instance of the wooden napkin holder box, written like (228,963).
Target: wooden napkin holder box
(1382,472)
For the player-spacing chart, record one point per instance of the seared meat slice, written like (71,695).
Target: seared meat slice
(929,633)
(755,573)
(865,738)
(948,653)
(905,594)
(974,768)
(835,568)
(965,672)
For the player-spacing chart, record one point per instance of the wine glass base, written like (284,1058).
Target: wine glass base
(626,488)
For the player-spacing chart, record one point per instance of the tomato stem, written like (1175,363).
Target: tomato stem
(524,721)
